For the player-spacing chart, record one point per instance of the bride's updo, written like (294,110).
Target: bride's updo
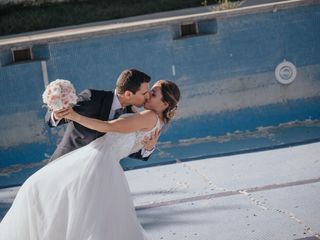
(170,94)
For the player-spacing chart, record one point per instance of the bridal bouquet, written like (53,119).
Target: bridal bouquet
(59,94)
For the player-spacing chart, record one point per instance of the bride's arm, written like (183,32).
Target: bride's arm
(143,121)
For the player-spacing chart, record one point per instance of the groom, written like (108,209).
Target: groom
(132,89)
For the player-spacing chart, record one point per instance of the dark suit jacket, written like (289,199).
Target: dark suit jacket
(91,103)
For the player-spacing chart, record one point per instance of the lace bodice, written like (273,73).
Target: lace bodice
(141,135)
(123,144)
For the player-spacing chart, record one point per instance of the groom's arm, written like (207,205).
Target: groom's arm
(51,121)
(143,154)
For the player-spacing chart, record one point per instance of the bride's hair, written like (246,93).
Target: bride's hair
(171,95)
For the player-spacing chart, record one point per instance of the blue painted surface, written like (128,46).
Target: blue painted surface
(226,74)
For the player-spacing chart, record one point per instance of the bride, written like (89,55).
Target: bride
(84,195)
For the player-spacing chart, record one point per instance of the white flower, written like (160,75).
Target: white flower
(59,94)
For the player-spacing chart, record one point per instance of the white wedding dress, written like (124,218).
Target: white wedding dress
(83,195)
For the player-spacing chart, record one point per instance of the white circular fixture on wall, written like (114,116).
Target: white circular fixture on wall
(286,72)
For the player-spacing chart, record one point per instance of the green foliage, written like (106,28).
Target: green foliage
(42,15)
(225,5)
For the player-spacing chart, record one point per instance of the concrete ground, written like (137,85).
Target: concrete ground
(263,195)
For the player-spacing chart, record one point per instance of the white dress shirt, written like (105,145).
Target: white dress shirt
(115,105)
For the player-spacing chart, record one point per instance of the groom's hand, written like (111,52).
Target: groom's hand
(149,142)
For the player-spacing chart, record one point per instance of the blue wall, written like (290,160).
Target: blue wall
(226,74)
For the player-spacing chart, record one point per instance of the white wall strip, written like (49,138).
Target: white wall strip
(173,70)
(44,73)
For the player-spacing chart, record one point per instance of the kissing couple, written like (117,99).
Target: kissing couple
(83,194)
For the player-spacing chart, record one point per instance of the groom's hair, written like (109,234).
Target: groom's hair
(131,80)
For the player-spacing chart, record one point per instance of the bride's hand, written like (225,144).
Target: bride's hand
(59,114)
(70,114)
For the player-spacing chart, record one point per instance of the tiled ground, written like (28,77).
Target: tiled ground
(263,195)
